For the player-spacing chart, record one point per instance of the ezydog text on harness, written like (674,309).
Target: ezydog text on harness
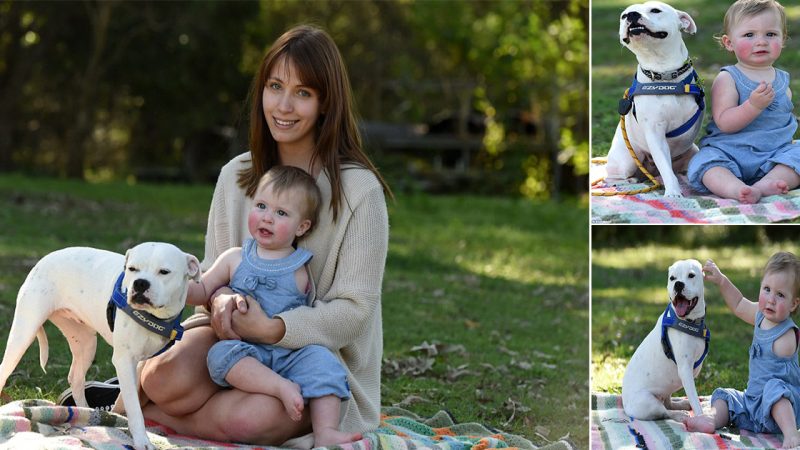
(696,329)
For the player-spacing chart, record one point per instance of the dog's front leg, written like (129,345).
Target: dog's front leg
(126,371)
(659,150)
(686,374)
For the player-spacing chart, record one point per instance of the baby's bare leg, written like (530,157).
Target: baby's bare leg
(250,375)
(780,180)
(708,423)
(325,422)
(722,182)
(783,414)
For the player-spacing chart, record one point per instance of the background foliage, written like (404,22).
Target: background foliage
(613,65)
(111,89)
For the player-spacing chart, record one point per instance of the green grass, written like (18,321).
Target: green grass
(492,290)
(613,66)
(629,292)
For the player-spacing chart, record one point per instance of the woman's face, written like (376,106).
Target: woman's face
(290,108)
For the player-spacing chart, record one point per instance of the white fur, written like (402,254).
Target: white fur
(72,287)
(656,115)
(651,378)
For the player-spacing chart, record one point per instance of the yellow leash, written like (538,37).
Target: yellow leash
(655,185)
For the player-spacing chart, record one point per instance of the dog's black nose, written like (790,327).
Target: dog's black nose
(679,286)
(632,16)
(140,285)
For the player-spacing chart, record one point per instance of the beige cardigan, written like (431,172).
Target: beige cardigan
(347,271)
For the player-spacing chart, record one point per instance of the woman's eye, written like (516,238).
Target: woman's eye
(274,86)
(304,93)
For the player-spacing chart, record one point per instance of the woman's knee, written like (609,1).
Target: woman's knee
(261,419)
(177,380)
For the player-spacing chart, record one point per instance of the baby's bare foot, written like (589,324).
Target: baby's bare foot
(702,424)
(772,187)
(749,195)
(292,398)
(791,441)
(325,437)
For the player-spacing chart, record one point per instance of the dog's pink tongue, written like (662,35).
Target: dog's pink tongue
(681,307)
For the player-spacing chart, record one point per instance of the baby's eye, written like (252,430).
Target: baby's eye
(261,206)
(772,34)
(766,289)
(282,213)
(748,35)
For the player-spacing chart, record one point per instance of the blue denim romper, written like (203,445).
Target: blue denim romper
(753,151)
(272,283)
(771,378)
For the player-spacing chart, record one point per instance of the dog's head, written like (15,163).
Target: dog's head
(156,277)
(685,287)
(651,24)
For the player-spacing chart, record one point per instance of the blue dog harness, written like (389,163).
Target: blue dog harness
(671,320)
(169,328)
(689,86)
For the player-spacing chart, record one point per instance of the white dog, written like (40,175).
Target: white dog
(663,127)
(72,288)
(670,357)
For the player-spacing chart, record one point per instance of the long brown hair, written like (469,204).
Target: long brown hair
(319,65)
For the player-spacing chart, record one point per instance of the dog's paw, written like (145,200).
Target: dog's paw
(673,194)
(143,444)
(679,416)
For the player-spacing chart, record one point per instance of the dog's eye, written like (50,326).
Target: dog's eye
(671,278)
(691,275)
(132,269)
(624,16)
(164,271)
(655,10)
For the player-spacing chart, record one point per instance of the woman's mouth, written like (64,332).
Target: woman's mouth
(284,123)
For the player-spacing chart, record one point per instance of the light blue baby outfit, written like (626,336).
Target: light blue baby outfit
(754,150)
(273,284)
(771,378)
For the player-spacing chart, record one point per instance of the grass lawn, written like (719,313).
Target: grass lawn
(613,66)
(485,299)
(629,292)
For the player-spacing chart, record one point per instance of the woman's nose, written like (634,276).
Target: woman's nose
(285,102)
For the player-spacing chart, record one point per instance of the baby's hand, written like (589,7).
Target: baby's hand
(762,96)
(712,273)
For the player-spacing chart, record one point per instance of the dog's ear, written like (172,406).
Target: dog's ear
(193,267)
(687,23)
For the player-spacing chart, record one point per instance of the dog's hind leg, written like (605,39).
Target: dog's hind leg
(678,403)
(645,406)
(82,344)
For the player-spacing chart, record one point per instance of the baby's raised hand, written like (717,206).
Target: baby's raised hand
(712,273)
(762,96)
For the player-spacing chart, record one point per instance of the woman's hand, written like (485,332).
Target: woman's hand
(223,304)
(256,326)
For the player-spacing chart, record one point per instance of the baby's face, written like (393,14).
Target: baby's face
(757,40)
(777,298)
(277,219)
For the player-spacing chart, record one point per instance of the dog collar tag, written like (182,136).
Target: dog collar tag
(625,105)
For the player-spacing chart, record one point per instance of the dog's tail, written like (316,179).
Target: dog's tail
(44,349)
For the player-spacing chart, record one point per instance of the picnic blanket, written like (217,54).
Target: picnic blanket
(653,207)
(43,425)
(612,429)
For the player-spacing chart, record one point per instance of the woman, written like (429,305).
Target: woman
(302,115)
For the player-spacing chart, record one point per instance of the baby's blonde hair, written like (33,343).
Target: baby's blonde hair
(785,262)
(749,8)
(285,178)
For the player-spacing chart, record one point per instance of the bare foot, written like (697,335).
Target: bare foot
(290,395)
(749,195)
(325,437)
(702,424)
(771,187)
(791,441)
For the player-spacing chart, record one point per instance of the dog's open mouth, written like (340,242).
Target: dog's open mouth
(683,306)
(636,29)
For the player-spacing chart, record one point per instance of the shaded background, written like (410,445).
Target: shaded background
(484,97)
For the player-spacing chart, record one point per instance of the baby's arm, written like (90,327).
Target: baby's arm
(786,344)
(729,116)
(215,277)
(741,307)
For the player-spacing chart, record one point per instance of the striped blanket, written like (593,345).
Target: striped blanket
(653,207)
(612,429)
(41,424)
